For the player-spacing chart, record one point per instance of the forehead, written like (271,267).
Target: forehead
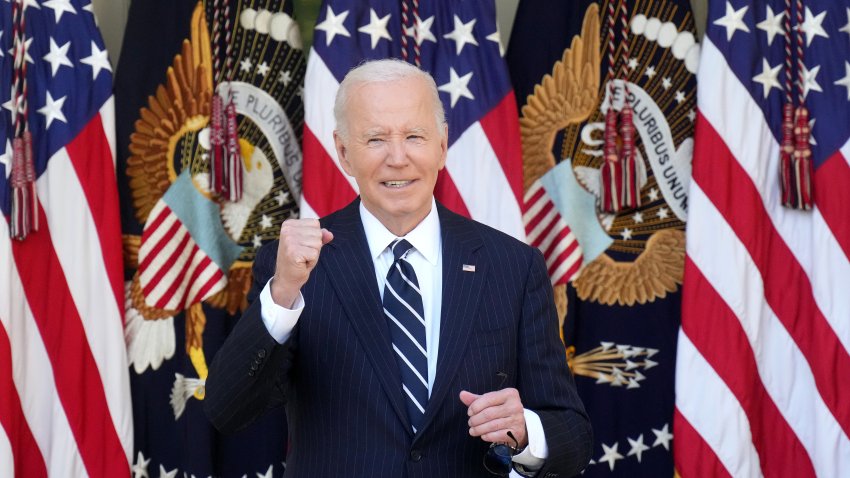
(398,103)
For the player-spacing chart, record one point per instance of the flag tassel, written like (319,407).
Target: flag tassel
(219,186)
(803,160)
(233,158)
(24,195)
(619,170)
(786,155)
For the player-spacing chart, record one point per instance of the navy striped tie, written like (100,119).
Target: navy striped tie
(406,318)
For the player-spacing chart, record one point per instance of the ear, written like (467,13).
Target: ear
(341,152)
(444,146)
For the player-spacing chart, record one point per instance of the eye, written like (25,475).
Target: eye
(374,141)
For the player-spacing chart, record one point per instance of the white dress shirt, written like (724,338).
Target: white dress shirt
(426,258)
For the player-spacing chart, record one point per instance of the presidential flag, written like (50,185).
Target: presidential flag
(64,388)
(189,245)
(616,275)
(763,350)
(459,44)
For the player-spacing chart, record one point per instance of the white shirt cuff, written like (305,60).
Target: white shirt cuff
(279,320)
(537,451)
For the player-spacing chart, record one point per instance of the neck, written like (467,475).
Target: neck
(400,226)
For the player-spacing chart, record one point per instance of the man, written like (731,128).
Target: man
(401,358)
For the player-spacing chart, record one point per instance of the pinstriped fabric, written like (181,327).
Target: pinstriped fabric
(339,378)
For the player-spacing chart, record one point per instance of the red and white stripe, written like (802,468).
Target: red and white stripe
(547,231)
(174,272)
(64,384)
(483,175)
(765,314)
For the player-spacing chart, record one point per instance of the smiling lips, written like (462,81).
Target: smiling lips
(397,184)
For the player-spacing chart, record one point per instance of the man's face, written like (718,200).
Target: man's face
(393,150)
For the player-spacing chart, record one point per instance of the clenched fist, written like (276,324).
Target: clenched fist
(301,240)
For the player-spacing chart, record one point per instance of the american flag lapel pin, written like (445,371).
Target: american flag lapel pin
(468,268)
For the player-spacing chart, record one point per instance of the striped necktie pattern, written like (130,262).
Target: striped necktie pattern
(406,318)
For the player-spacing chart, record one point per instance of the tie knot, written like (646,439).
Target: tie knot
(399,248)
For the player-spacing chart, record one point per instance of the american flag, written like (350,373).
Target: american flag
(763,357)
(459,44)
(64,387)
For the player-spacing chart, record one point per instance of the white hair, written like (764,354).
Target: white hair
(382,71)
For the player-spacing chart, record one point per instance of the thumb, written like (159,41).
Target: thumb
(327,236)
(467,397)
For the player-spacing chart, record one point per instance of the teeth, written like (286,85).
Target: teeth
(395,184)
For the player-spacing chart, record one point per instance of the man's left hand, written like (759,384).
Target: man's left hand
(493,414)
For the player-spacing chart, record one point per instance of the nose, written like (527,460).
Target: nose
(397,154)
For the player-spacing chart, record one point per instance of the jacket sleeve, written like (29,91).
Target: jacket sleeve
(545,382)
(246,375)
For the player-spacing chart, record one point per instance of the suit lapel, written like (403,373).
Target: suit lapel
(351,271)
(461,295)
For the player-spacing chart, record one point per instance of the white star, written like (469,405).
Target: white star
(845,82)
(638,217)
(31,3)
(772,25)
(653,194)
(282,197)
(263,69)
(89,8)
(6,158)
(267,474)
(666,83)
(293,214)
(610,455)
(810,82)
(692,115)
(662,437)
(285,77)
(663,213)
(733,21)
(457,86)
(496,37)
(58,56)
(167,474)
(376,28)
(462,34)
(10,104)
(266,222)
(812,26)
(637,447)
(52,110)
(1,37)
(98,60)
(680,96)
(26,50)
(633,63)
(59,7)
(812,129)
(333,25)
(140,469)
(423,30)
(257,242)
(650,72)
(846,28)
(300,91)
(768,77)
(246,65)
(627,234)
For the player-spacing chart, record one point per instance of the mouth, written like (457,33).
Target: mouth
(397,184)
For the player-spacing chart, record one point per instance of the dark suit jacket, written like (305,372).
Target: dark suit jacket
(339,381)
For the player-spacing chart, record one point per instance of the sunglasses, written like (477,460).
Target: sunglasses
(499,457)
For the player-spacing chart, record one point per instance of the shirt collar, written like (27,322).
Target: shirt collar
(425,237)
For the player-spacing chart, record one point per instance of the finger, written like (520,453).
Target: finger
(492,399)
(490,414)
(491,426)
(467,397)
(499,436)
(327,236)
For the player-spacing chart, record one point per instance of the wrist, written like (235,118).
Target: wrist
(282,295)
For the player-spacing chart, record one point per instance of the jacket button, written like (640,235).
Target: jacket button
(261,353)
(415,455)
(250,373)
(254,367)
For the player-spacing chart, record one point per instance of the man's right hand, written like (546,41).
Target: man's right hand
(301,240)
